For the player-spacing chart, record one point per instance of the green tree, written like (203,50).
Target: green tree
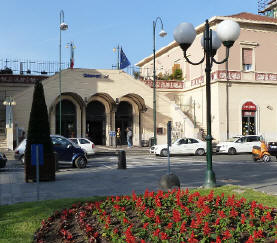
(178,74)
(39,133)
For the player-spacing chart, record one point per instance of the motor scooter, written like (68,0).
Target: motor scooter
(261,153)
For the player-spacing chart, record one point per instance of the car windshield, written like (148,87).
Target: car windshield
(233,139)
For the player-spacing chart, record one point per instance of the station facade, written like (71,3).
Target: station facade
(96,102)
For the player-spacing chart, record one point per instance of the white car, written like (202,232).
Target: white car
(181,146)
(85,144)
(239,144)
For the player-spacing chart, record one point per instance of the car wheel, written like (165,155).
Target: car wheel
(232,151)
(200,152)
(266,158)
(164,152)
(22,159)
(81,162)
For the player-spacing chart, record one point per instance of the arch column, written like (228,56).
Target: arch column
(136,128)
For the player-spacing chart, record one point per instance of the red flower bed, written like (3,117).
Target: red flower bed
(174,216)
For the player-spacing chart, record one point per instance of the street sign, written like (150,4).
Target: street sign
(34,149)
(112,133)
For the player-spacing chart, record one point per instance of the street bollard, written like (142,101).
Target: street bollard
(121,159)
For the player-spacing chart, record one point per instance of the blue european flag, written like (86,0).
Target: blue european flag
(124,62)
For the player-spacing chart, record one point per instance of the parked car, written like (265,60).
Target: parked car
(239,144)
(272,148)
(181,146)
(85,144)
(3,160)
(67,151)
(20,150)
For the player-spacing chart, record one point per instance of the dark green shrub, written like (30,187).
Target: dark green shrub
(39,133)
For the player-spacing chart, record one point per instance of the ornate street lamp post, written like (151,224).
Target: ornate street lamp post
(63,26)
(227,33)
(9,102)
(162,34)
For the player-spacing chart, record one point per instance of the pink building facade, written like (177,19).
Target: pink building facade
(244,101)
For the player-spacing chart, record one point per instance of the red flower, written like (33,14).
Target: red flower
(156,232)
(183,227)
(193,224)
(146,193)
(82,214)
(243,218)
(206,229)
(268,216)
(218,240)
(158,201)
(176,216)
(258,234)
(158,220)
(217,221)
(192,239)
(233,213)
(221,213)
(169,226)
(125,221)
(115,231)
(227,235)
(250,240)
(134,196)
(164,236)
(88,228)
(69,236)
(145,225)
(142,241)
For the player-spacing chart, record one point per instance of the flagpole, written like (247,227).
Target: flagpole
(117,57)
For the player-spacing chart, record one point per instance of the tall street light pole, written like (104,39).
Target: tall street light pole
(227,33)
(162,34)
(9,102)
(63,26)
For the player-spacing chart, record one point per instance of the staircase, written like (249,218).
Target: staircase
(3,147)
(198,125)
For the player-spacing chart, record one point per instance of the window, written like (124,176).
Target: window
(253,139)
(74,140)
(193,140)
(247,57)
(83,141)
(182,141)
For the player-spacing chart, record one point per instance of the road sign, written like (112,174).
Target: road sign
(37,148)
(112,133)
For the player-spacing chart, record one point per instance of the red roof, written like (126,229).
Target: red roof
(253,17)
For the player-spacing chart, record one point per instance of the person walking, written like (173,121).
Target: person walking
(129,137)
(118,137)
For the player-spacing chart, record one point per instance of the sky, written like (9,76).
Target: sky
(30,28)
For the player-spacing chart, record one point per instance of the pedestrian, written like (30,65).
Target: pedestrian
(129,137)
(118,137)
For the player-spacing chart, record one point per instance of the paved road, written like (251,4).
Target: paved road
(143,171)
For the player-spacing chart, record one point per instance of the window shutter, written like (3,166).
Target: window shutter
(247,56)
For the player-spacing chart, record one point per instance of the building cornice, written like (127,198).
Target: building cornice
(200,28)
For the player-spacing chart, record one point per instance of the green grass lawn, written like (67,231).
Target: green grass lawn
(19,222)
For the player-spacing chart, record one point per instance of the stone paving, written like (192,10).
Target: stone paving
(102,177)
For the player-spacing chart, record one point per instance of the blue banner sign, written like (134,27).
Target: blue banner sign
(37,148)
(112,133)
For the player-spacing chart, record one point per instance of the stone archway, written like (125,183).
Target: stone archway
(124,119)
(96,122)
(68,119)
(136,122)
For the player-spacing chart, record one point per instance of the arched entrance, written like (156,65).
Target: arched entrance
(96,122)
(249,118)
(68,124)
(124,118)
